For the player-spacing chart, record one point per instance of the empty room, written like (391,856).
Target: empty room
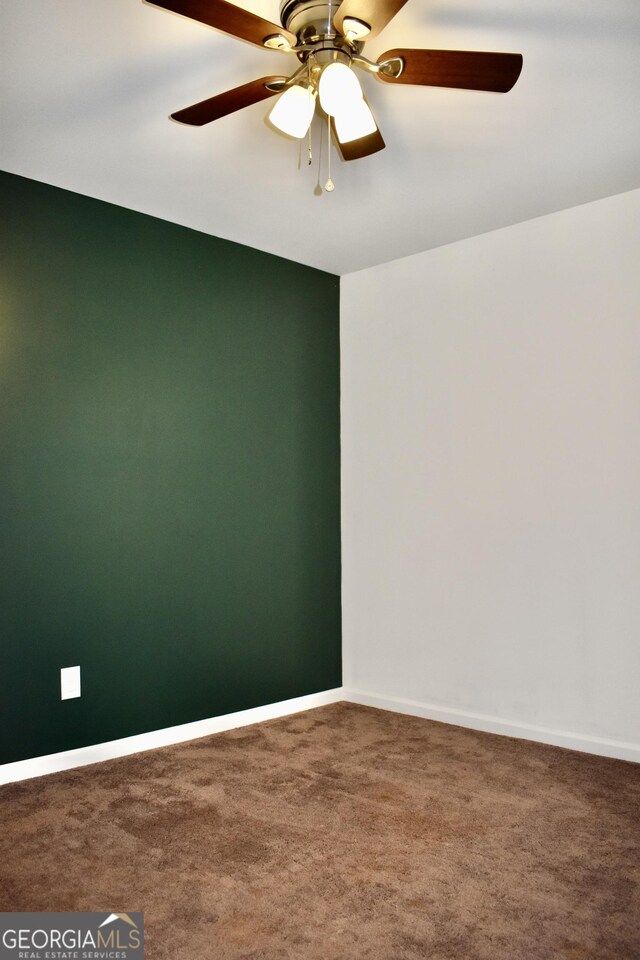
(319,480)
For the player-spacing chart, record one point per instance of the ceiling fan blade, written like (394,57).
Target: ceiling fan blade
(463,69)
(357,149)
(375,13)
(228,18)
(228,102)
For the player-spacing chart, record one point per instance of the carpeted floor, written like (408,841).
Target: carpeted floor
(342,833)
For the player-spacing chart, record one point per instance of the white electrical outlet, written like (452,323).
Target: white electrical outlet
(69,683)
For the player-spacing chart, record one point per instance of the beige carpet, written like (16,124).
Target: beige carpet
(342,833)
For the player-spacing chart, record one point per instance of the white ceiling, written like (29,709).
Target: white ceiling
(87,86)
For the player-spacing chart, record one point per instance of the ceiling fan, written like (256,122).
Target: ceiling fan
(327,38)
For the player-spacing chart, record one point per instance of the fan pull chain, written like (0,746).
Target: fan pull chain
(329,185)
(309,90)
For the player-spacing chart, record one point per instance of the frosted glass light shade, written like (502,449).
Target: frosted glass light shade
(293,111)
(354,121)
(339,87)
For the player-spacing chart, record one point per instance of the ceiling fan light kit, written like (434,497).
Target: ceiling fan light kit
(327,39)
(293,111)
(355,123)
(338,88)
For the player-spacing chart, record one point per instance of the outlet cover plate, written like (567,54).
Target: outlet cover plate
(69,683)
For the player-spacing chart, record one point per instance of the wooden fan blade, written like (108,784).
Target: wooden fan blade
(464,69)
(375,13)
(356,149)
(228,18)
(228,102)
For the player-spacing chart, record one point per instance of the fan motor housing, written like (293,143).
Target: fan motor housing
(309,20)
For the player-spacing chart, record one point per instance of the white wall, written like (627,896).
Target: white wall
(491,475)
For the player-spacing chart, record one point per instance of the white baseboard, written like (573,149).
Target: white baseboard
(55,762)
(618,749)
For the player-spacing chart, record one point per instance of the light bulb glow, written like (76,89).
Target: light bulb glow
(293,111)
(338,88)
(355,121)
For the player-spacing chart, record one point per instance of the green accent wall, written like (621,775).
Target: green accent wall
(169,473)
